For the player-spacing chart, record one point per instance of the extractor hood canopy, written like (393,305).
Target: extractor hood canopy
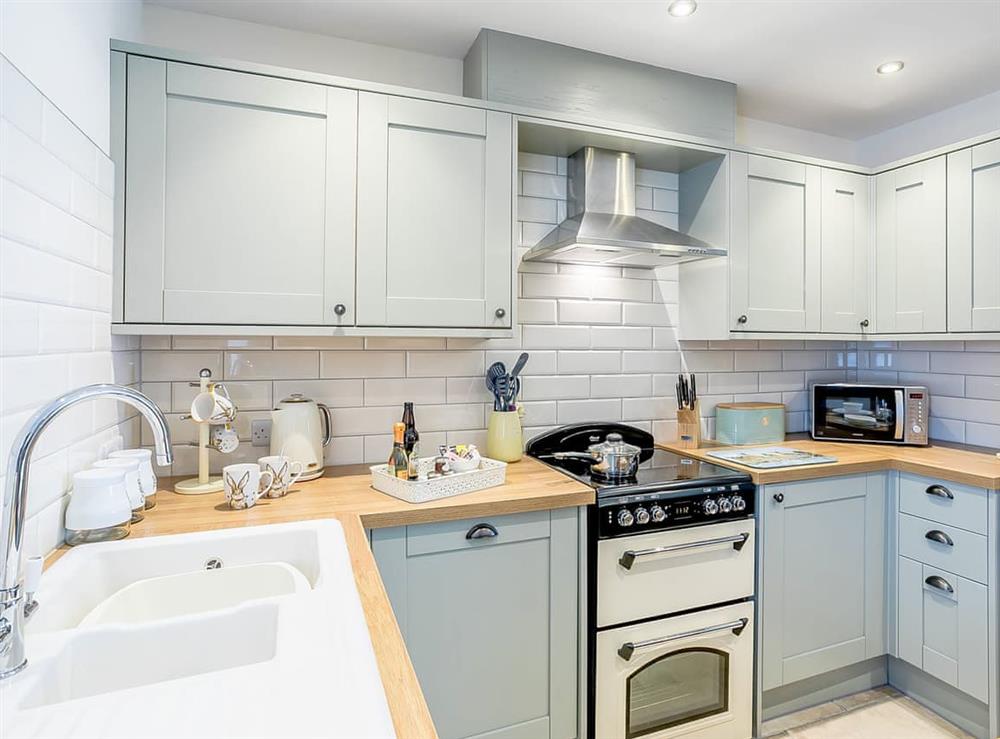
(602,227)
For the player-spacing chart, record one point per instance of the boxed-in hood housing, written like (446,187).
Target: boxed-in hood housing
(602,227)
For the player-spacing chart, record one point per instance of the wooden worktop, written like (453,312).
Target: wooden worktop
(949,463)
(345,493)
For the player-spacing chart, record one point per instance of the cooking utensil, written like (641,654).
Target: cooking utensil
(519,365)
(611,459)
(693,390)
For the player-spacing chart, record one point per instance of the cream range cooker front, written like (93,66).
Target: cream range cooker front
(671,583)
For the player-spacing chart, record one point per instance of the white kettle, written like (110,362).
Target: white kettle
(300,428)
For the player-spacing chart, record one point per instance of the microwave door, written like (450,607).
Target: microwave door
(858,413)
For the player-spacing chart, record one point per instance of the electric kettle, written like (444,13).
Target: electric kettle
(300,428)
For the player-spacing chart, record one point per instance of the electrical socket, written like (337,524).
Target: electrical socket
(260,432)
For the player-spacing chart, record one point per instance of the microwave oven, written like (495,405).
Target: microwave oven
(875,414)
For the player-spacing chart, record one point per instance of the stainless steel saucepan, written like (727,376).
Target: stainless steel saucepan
(612,458)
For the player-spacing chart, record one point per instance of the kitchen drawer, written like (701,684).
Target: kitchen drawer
(965,555)
(954,504)
(943,630)
(451,535)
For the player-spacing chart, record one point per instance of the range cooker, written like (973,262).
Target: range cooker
(671,588)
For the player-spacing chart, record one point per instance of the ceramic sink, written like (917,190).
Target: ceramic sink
(250,632)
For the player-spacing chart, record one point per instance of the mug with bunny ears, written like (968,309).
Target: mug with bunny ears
(284,471)
(245,484)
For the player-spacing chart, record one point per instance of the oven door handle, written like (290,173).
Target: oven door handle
(629,557)
(626,650)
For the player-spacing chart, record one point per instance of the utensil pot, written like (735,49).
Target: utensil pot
(504,439)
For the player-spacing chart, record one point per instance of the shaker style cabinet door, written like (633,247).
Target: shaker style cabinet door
(775,246)
(910,248)
(822,599)
(239,198)
(489,612)
(844,244)
(434,214)
(974,238)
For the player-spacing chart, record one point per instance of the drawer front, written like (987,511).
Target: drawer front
(656,583)
(476,532)
(949,503)
(947,547)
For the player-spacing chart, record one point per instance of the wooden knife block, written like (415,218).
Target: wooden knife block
(689,427)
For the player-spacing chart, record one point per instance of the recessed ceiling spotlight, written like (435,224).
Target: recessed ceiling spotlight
(682,8)
(889,67)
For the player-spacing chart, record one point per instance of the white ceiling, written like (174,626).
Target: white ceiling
(804,63)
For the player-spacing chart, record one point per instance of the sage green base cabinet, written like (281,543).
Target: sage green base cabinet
(491,621)
(822,576)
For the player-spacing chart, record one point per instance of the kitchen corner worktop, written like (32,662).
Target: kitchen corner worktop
(345,493)
(951,463)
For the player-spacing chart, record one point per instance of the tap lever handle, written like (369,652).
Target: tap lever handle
(32,573)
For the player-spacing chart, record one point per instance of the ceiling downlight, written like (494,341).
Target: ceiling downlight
(682,8)
(890,67)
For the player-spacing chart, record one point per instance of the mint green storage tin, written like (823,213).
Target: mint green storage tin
(749,423)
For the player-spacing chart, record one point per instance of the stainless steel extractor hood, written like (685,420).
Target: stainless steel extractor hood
(602,227)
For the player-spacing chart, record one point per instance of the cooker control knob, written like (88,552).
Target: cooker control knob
(659,515)
(625,518)
(725,505)
(739,504)
(710,507)
(641,516)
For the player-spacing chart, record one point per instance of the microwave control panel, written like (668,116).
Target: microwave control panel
(917,411)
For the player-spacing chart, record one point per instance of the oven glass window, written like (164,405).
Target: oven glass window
(677,688)
(856,413)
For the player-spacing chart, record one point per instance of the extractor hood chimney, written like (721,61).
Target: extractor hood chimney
(602,227)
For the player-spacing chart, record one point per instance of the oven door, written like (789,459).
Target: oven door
(685,676)
(869,413)
(676,570)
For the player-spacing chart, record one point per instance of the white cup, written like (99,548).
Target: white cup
(245,484)
(284,471)
(130,465)
(98,503)
(147,479)
(213,406)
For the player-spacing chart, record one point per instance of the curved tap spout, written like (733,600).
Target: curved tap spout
(15,494)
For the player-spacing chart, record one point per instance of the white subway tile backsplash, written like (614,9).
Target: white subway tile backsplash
(983,434)
(404,342)
(968,362)
(539,362)
(362,364)
(653,178)
(260,365)
(18,327)
(732,382)
(756,360)
(537,210)
(648,314)
(781,381)
(438,364)
(621,337)
(978,386)
(315,342)
(590,311)
(556,337)
(20,101)
(651,362)
(540,185)
(707,361)
(396,391)
(649,409)
(536,311)
(557,387)
(588,362)
(29,165)
(621,386)
(803,360)
(467,390)
(665,200)
(621,288)
(538,163)
(582,411)
(937,384)
(339,393)
(221,342)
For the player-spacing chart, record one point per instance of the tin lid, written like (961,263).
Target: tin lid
(749,406)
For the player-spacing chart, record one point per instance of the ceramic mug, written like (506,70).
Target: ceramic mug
(245,484)
(284,471)
(213,406)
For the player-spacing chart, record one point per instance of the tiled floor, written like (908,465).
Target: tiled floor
(882,713)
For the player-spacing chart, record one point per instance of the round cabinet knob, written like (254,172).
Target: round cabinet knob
(739,504)
(779,497)
(710,507)
(500,312)
(641,516)
(725,505)
(625,518)
(742,319)
(659,515)
(864,323)
(340,309)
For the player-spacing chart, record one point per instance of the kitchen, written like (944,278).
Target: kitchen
(270,230)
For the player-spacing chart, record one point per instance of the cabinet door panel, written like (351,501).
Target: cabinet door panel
(974,238)
(821,602)
(844,245)
(434,214)
(230,214)
(910,253)
(775,253)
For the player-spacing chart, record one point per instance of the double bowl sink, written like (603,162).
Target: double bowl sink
(241,632)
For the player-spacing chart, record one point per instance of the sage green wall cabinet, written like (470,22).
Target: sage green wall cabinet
(910,248)
(489,612)
(775,250)
(239,198)
(974,238)
(822,594)
(942,572)
(435,218)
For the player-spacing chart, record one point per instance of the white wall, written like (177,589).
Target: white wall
(767,135)
(55,298)
(974,118)
(223,37)
(62,47)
